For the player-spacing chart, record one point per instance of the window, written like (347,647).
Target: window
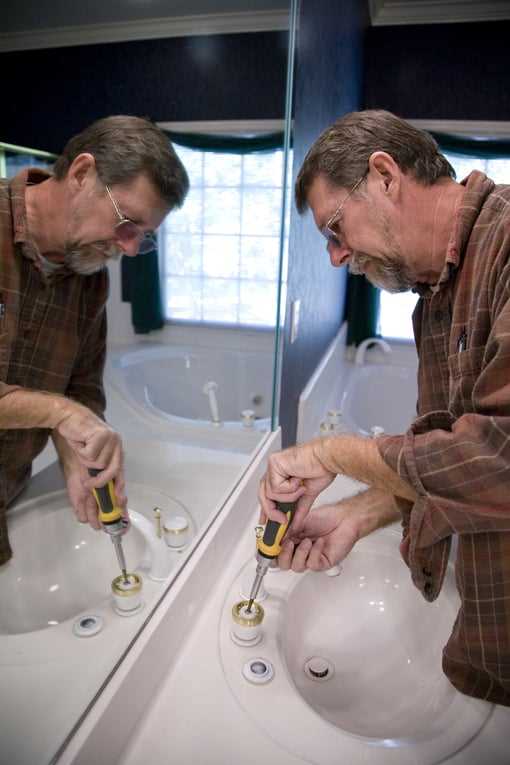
(395,310)
(220,252)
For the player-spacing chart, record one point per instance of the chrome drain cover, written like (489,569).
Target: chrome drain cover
(319,669)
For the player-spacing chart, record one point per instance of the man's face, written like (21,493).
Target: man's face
(93,236)
(364,239)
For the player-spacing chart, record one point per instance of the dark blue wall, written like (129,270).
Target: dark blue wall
(51,94)
(328,83)
(440,71)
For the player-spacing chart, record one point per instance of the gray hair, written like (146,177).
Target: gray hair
(125,147)
(342,151)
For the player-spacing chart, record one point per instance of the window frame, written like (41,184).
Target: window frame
(229,128)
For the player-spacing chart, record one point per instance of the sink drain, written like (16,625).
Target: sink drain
(319,669)
(87,625)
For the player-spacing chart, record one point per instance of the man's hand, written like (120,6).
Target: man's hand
(79,482)
(294,475)
(329,533)
(94,443)
(83,500)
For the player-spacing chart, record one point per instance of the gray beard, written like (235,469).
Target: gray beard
(389,274)
(90,259)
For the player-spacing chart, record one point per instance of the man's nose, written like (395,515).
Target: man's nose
(129,248)
(339,254)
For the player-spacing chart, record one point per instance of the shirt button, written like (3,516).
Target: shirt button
(438,315)
(426,572)
(427,589)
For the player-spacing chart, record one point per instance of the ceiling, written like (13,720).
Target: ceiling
(28,24)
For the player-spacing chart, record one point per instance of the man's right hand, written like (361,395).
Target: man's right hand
(94,442)
(329,532)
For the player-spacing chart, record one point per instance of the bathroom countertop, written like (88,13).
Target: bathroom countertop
(195,718)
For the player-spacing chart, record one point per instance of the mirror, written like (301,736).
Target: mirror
(193,400)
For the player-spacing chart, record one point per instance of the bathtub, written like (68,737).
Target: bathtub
(194,385)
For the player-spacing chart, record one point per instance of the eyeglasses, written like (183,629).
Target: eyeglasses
(127,231)
(327,231)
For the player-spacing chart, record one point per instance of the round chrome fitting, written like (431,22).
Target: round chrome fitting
(258,671)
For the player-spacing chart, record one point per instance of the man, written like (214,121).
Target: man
(111,188)
(386,201)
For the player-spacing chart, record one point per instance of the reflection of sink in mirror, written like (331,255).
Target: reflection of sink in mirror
(169,380)
(379,394)
(59,568)
(378,691)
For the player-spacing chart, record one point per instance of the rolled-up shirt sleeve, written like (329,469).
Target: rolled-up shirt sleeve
(460,466)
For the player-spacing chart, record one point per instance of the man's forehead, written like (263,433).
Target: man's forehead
(323,197)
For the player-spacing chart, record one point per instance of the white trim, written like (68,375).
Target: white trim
(225,127)
(472,128)
(146,29)
(389,12)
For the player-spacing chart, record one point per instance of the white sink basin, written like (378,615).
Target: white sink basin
(383,644)
(380,394)
(59,568)
(385,699)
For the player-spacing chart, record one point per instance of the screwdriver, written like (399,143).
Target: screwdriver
(112,518)
(269,547)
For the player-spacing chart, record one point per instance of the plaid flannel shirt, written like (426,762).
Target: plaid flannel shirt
(52,337)
(456,454)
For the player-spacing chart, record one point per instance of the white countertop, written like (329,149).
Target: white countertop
(195,718)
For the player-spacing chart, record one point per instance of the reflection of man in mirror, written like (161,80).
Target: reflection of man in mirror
(110,189)
(388,205)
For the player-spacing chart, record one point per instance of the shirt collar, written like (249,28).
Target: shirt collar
(29,177)
(477,188)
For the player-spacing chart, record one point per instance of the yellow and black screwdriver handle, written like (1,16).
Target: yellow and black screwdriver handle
(109,510)
(269,545)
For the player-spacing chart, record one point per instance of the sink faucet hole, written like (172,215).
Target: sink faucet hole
(318,668)
(88,625)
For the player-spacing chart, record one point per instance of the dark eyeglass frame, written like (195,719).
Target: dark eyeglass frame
(327,231)
(127,231)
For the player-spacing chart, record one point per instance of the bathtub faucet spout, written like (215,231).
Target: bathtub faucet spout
(209,390)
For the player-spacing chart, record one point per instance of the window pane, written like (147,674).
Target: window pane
(220,251)
(499,170)
(222,211)
(395,314)
(464,165)
(221,255)
(184,297)
(189,218)
(257,303)
(193,161)
(263,169)
(183,254)
(220,300)
(259,257)
(222,169)
(262,211)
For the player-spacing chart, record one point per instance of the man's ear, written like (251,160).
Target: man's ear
(81,172)
(384,171)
